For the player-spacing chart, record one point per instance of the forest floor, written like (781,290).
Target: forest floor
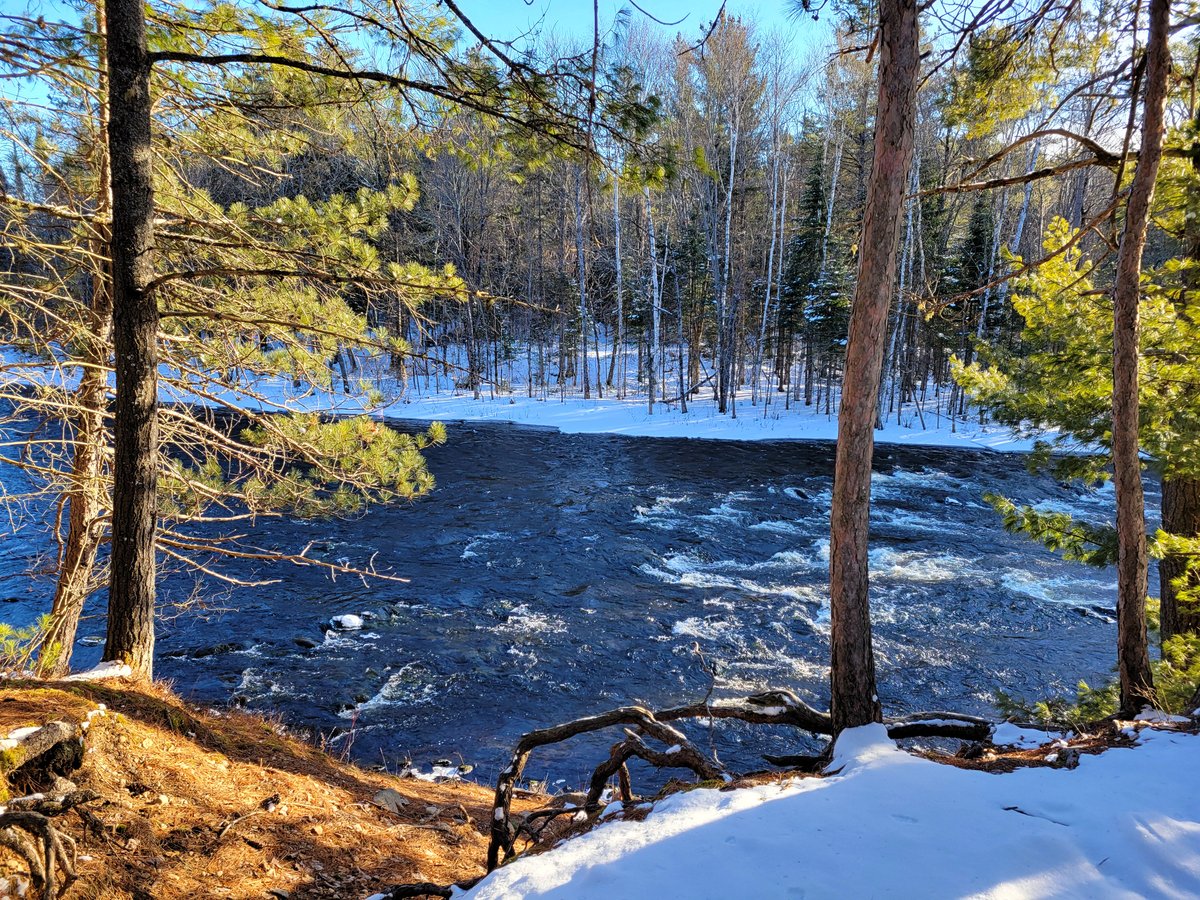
(181,809)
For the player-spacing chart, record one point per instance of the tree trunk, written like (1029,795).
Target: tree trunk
(655,305)
(853,699)
(582,274)
(723,363)
(86,499)
(1133,658)
(135,331)
(1181,516)
(619,338)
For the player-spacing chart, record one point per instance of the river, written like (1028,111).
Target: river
(553,575)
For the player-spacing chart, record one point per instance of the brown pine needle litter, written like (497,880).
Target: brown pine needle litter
(224,804)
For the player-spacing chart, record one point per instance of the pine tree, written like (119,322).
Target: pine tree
(254,295)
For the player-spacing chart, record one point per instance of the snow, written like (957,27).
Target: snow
(102,671)
(1125,823)
(1008,735)
(631,418)
(347,622)
(1158,717)
(427,400)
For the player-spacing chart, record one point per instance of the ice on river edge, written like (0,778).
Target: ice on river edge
(1124,823)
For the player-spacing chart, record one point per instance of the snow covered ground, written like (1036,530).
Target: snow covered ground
(630,417)
(437,399)
(1125,823)
(610,415)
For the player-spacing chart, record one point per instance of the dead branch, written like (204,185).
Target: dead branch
(774,707)
(266,806)
(677,756)
(36,743)
(503,833)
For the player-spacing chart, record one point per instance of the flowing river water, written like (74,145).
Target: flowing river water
(553,576)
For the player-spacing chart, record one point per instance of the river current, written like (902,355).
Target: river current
(553,576)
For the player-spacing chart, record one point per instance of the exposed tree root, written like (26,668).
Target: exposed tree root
(773,707)
(26,829)
(36,743)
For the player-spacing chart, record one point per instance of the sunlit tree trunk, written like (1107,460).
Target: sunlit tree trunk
(86,497)
(1133,658)
(853,696)
(135,334)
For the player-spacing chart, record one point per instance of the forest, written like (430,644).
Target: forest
(283,286)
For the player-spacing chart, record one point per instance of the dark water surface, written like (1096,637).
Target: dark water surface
(555,575)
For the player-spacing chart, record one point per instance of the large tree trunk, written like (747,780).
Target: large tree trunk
(1181,516)
(1133,658)
(854,701)
(135,321)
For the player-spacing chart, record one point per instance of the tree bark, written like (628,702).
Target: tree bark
(854,700)
(1181,516)
(86,498)
(655,307)
(135,330)
(582,269)
(1133,658)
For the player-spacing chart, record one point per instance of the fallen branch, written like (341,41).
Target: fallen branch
(774,707)
(503,834)
(678,756)
(36,743)
(266,806)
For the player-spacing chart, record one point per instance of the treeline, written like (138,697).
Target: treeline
(713,252)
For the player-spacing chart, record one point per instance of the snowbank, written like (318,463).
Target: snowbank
(101,672)
(629,417)
(1125,823)
(574,415)
(429,400)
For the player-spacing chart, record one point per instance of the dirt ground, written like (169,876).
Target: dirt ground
(183,794)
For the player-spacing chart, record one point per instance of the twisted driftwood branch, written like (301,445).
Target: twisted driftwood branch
(678,756)
(778,706)
(503,833)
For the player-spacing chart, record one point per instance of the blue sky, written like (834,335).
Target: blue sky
(509,19)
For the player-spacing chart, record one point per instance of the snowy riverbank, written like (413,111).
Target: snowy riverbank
(752,423)
(429,399)
(1125,823)
(630,417)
